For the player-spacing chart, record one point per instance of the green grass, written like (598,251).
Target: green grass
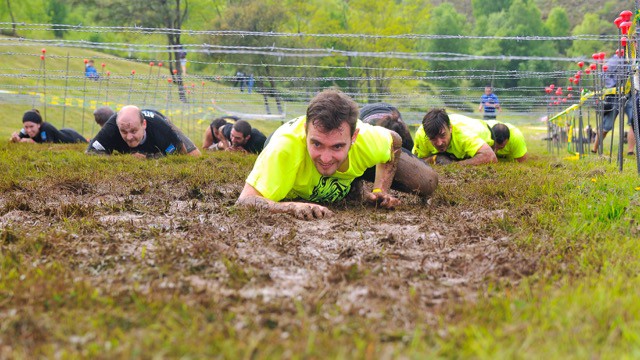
(576,219)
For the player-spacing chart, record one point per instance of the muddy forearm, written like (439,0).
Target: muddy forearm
(484,156)
(305,211)
(386,172)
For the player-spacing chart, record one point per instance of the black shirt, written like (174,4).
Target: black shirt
(159,138)
(49,134)
(255,144)
(188,144)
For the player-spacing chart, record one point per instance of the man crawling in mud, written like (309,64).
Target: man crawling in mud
(465,139)
(316,158)
(142,133)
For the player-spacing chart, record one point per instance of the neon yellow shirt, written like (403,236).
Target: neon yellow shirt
(284,169)
(516,146)
(467,137)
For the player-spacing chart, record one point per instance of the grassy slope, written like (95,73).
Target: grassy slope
(20,73)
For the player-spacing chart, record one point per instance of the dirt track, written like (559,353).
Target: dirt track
(394,267)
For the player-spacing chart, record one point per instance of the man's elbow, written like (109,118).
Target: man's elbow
(249,196)
(242,200)
(396,143)
(484,158)
(194,152)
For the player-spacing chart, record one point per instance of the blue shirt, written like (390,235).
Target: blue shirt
(617,71)
(489,99)
(91,72)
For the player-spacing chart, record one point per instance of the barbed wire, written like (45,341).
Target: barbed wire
(208,93)
(274,51)
(243,33)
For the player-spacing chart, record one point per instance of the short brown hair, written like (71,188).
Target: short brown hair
(243,127)
(330,108)
(103,114)
(435,120)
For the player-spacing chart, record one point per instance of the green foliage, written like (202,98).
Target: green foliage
(591,24)
(524,20)
(58,13)
(485,8)
(500,17)
(558,25)
(445,20)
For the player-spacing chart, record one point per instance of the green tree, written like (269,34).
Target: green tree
(13,19)
(168,14)
(558,25)
(524,20)
(256,16)
(486,27)
(485,8)
(57,11)
(447,21)
(370,72)
(591,24)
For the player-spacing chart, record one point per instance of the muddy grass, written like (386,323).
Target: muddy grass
(169,240)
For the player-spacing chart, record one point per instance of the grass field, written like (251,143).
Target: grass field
(116,257)
(23,85)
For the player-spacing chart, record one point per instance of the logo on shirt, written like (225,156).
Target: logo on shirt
(96,145)
(148,114)
(43,135)
(329,190)
(170,149)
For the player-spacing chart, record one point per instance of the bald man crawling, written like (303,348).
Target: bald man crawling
(143,133)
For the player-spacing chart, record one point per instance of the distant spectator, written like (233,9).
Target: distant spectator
(142,133)
(489,104)
(183,59)
(250,83)
(102,114)
(37,131)
(616,73)
(240,80)
(90,71)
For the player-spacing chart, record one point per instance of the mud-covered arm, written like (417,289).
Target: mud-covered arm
(384,176)
(19,137)
(522,158)
(251,197)
(484,155)
(207,140)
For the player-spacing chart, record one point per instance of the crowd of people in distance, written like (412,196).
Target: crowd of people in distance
(321,157)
